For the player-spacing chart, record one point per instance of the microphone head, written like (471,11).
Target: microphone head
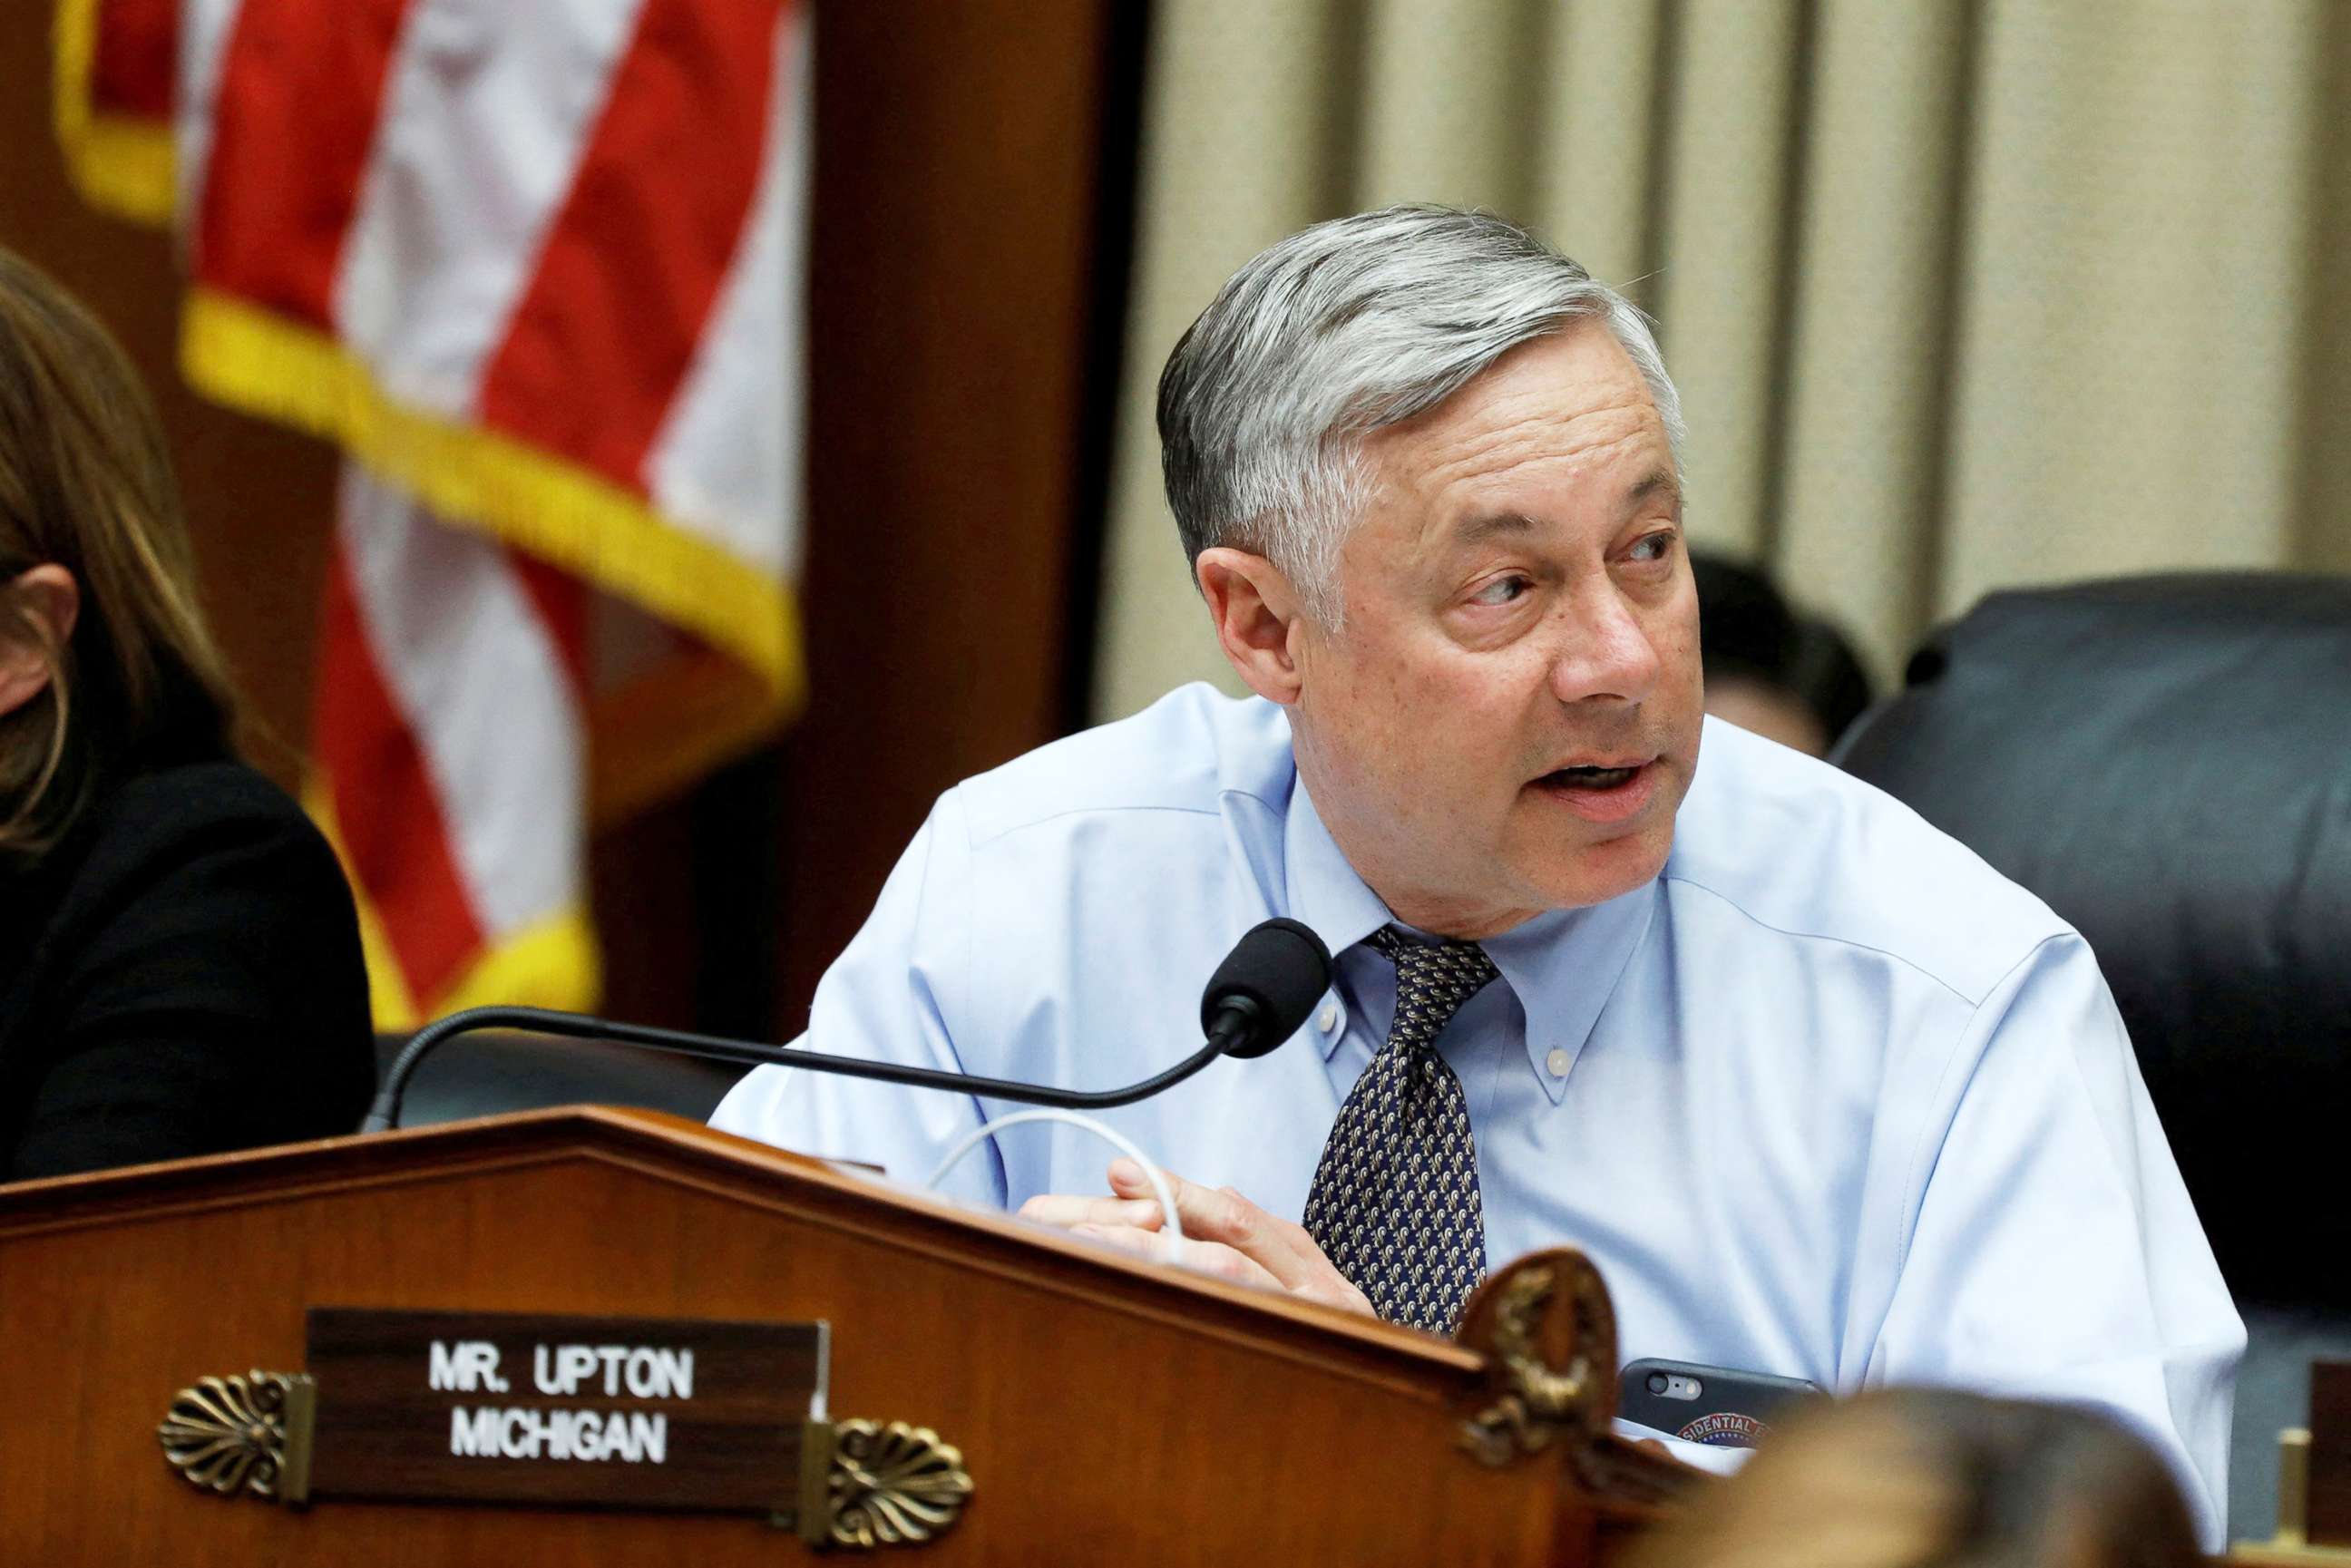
(1266,987)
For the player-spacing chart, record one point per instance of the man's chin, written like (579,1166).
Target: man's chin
(1572,878)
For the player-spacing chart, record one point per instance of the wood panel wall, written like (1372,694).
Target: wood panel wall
(966,282)
(970,187)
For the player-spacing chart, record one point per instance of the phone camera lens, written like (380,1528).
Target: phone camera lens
(1659,1383)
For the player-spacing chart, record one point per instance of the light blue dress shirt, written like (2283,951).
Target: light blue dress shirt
(1830,1099)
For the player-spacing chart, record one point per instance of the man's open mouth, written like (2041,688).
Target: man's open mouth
(1591,777)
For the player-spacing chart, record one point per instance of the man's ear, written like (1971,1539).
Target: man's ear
(1258,618)
(37,611)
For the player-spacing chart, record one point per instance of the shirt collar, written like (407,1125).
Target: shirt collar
(1563,965)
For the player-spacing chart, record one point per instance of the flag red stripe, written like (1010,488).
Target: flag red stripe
(608,326)
(134,70)
(560,600)
(300,87)
(386,808)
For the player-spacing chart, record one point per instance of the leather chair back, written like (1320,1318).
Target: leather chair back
(487,1074)
(2166,760)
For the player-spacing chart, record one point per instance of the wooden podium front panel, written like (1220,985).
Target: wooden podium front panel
(1107,1410)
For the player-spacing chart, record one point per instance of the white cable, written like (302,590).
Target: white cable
(1172,1227)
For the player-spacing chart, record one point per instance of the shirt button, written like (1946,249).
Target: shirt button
(1558,1062)
(1330,1018)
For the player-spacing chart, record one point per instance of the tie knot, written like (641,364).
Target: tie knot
(1433,980)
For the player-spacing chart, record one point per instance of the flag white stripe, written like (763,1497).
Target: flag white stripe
(726,461)
(204,28)
(471,667)
(488,111)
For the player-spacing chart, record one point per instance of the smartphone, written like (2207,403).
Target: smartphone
(1717,1406)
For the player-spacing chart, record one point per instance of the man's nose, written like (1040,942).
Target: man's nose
(1606,649)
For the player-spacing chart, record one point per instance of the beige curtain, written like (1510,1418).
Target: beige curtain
(1960,294)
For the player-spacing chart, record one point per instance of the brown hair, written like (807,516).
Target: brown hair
(85,484)
(1913,1479)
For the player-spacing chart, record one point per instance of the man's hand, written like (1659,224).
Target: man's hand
(1224,1234)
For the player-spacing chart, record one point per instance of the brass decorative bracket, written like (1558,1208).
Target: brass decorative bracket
(1548,1335)
(1535,1401)
(865,1484)
(894,1485)
(248,1435)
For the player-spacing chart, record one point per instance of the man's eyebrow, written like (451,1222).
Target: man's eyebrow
(1660,484)
(1486,526)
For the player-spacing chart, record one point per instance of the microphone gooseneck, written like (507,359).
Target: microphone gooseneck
(1256,998)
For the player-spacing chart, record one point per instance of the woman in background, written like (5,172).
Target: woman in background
(180,965)
(1919,1479)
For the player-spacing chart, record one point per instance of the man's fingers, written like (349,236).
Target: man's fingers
(1127,1176)
(1218,1214)
(1214,1215)
(1057,1209)
(1300,1237)
(1207,1256)
(1282,1248)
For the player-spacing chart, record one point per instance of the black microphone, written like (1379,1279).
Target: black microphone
(1265,988)
(1257,997)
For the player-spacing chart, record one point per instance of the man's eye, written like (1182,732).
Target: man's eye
(1501,591)
(1651,548)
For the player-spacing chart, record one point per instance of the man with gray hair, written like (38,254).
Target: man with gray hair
(1823,1096)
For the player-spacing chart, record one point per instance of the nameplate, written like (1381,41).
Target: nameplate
(633,1413)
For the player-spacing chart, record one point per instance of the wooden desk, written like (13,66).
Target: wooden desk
(1106,1409)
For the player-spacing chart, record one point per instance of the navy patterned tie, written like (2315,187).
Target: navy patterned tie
(1394,1202)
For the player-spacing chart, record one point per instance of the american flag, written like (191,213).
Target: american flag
(536,265)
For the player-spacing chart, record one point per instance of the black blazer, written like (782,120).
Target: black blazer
(182,976)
